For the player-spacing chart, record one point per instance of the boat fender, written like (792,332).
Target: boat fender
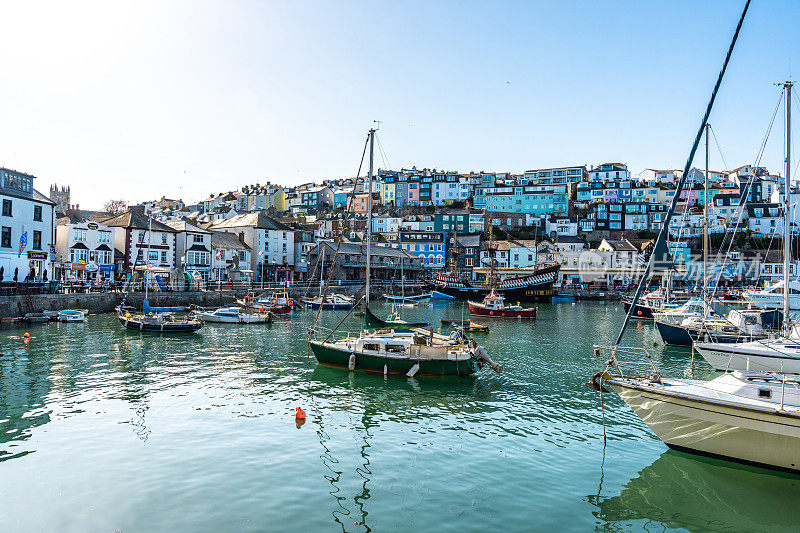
(593,384)
(385,369)
(351,363)
(299,413)
(413,370)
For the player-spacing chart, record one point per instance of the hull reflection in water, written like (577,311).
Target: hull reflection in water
(703,494)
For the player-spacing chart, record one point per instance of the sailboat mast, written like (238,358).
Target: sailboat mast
(707,203)
(149,247)
(369,207)
(787,230)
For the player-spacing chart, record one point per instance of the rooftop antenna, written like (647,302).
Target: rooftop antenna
(378,122)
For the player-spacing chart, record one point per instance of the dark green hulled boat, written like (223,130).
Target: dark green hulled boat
(407,352)
(371,321)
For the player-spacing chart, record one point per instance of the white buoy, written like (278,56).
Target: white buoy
(412,372)
(385,370)
(351,364)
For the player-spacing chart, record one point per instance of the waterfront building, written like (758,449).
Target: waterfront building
(271,244)
(141,241)
(522,254)
(27,228)
(230,257)
(466,254)
(429,246)
(192,248)
(84,249)
(351,261)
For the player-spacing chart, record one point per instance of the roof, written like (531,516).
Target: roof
(223,239)
(469,240)
(361,249)
(620,245)
(182,225)
(569,239)
(136,220)
(256,220)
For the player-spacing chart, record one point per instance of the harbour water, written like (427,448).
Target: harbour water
(104,429)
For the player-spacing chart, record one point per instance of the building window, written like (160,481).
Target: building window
(6,208)
(163,238)
(163,256)
(37,240)
(5,238)
(37,213)
(197,239)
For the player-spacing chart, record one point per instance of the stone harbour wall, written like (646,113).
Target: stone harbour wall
(101,302)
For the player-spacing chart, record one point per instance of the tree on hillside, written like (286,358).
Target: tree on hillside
(115,207)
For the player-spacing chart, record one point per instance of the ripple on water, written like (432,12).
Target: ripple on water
(117,430)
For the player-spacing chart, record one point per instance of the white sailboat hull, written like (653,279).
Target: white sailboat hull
(754,356)
(750,436)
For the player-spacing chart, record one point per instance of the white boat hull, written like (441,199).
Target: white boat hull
(749,436)
(758,357)
(244,319)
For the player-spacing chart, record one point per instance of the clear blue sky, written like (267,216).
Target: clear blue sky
(136,100)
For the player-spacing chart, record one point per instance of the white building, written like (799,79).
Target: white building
(271,244)
(192,248)
(142,242)
(84,249)
(27,228)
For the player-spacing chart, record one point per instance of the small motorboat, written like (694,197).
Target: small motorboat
(493,305)
(234,315)
(332,301)
(455,322)
(71,315)
(440,297)
(33,318)
(473,327)
(158,322)
(412,298)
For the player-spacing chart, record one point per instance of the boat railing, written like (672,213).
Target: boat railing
(629,357)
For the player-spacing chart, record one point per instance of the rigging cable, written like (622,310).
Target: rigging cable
(679,188)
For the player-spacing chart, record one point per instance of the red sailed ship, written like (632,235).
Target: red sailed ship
(494,305)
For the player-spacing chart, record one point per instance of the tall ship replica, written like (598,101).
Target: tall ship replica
(535,286)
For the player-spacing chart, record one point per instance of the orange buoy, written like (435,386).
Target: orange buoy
(299,414)
(261,309)
(26,337)
(639,312)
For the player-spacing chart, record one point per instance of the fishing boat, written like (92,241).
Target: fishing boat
(71,315)
(234,315)
(746,416)
(494,305)
(157,322)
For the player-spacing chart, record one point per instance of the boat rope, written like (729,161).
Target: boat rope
(743,203)
(679,188)
(350,200)
(349,312)
(719,148)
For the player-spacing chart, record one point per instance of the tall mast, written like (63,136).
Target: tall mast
(149,247)
(705,227)
(369,207)
(787,231)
